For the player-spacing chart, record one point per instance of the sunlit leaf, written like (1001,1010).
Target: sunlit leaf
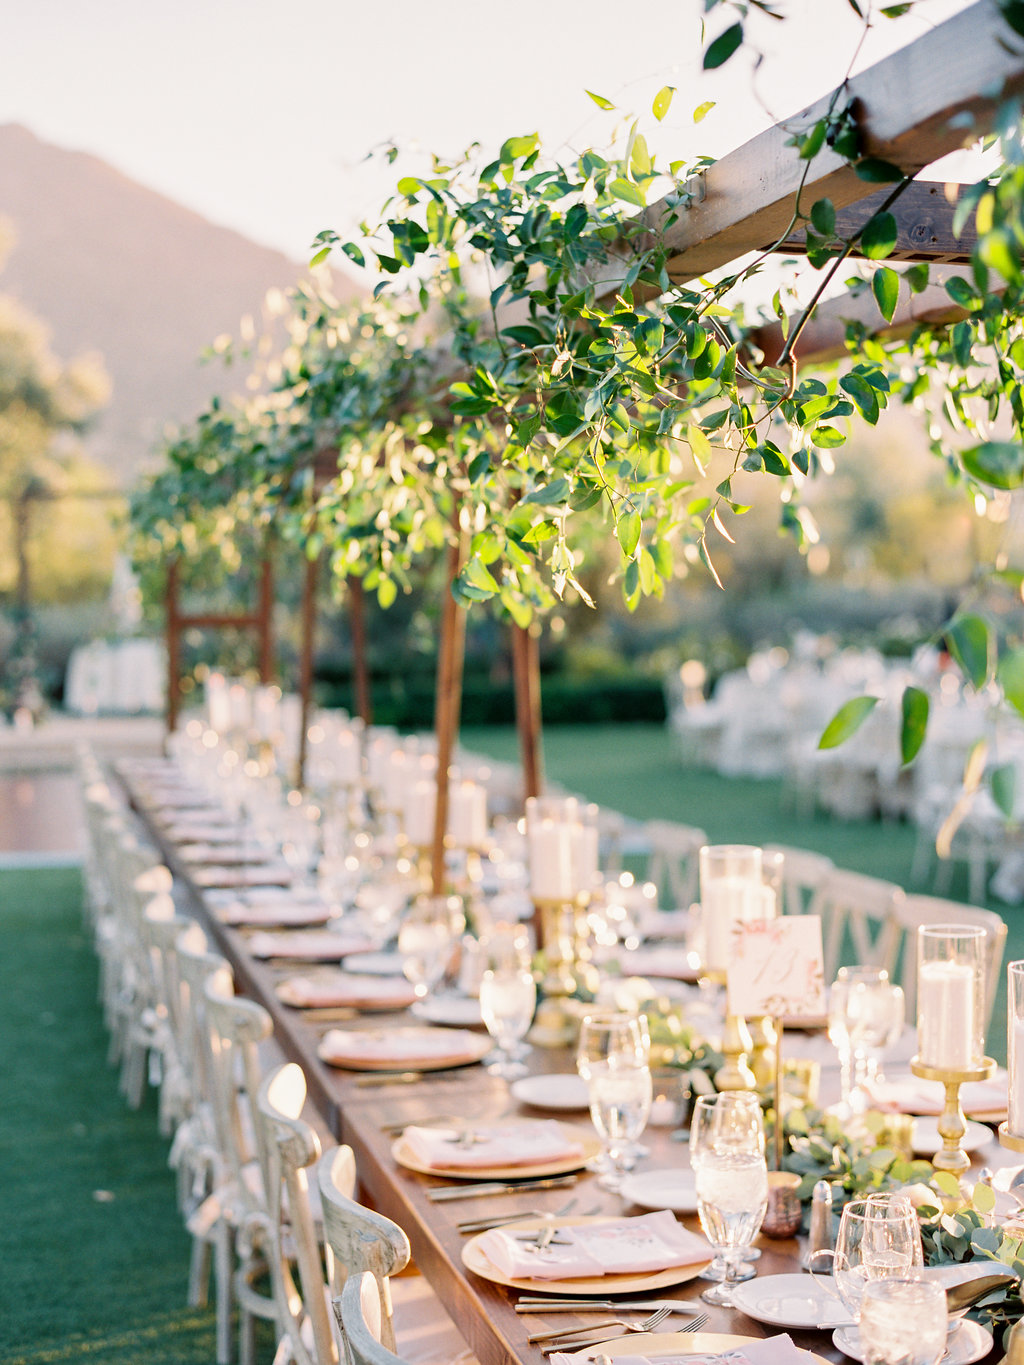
(969,640)
(885,285)
(662,101)
(846,721)
(600,100)
(879,237)
(1003,782)
(1000,464)
(628,528)
(1011,678)
(915,708)
(702,110)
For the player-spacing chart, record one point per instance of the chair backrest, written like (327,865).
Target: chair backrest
(235,1029)
(358,1239)
(291,1147)
(854,908)
(196,963)
(357,1309)
(901,946)
(802,873)
(673,864)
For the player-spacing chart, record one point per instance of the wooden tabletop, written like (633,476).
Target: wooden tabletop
(363,1111)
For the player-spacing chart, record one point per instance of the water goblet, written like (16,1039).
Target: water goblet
(841,1025)
(300,839)
(727,1156)
(902,1322)
(427,936)
(879,1238)
(612,1057)
(508,995)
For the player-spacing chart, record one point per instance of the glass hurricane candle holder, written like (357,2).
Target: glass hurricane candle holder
(731,890)
(1011,1133)
(950,997)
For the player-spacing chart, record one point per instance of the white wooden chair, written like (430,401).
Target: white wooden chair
(802,873)
(235,1028)
(357,1309)
(359,1240)
(854,907)
(291,1147)
(195,1152)
(899,946)
(673,864)
(160,928)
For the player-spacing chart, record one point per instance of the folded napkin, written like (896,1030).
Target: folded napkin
(625,1246)
(911,1095)
(528,1142)
(345,988)
(316,945)
(412,1047)
(263,874)
(780,1350)
(226,854)
(676,964)
(655,923)
(281,911)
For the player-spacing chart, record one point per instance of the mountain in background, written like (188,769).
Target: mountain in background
(117,269)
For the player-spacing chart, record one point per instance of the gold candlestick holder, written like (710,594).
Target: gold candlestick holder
(1013,1142)
(735,1072)
(952,1125)
(555,925)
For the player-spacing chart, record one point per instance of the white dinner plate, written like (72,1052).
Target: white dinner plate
(792,1301)
(968,1343)
(456,1011)
(560,1092)
(926,1140)
(378,964)
(674,1189)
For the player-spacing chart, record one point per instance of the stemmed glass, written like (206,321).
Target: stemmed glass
(508,995)
(613,1059)
(866,1013)
(300,839)
(427,936)
(879,1238)
(727,1156)
(902,1322)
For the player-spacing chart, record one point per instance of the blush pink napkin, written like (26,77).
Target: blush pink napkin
(530,1142)
(314,946)
(780,1350)
(345,988)
(282,912)
(624,1246)
(401,1047)
(911,1095)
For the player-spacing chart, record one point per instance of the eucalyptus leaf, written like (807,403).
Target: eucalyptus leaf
(846,721)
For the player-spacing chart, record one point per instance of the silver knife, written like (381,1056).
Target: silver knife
(530,1305)
(442,1193)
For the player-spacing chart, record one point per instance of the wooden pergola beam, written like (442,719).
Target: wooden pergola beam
(924,221)
(913,107)
(823,339)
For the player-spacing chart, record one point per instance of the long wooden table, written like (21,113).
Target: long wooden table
(362,1110)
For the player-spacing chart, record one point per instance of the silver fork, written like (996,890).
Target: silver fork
(501,1220)
(565,1338)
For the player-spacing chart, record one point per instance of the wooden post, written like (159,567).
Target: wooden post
(526,677)
(360,663)
(448,704)
(308,628)
(265,611)
(173,631)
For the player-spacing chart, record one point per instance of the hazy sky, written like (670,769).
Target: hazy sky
(259,113)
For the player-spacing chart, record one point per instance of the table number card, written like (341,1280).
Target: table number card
(776,967)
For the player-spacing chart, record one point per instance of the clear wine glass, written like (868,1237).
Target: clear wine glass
(613,1056)
(427,937)
(300,839)
(879,1238)
(508,995)
(727,1156)
(840,1025)
(876,1011)
(902,1322)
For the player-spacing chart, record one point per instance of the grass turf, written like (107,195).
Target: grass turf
(94,1255)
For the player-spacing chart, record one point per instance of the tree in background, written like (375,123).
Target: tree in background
(44,405)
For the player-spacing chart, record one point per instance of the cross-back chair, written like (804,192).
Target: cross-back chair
(855,909)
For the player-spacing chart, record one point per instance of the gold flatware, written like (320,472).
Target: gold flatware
(567,1339)
(442,1193)
(552,1305)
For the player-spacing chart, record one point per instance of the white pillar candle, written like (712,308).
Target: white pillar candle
(265,705)
(420,805)
(550,850)
(396,776)
(725,901)
(467,814)
(239,707)
(1015,1117)
(218,710)
(584,856)
(945,1015)
(347,761)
